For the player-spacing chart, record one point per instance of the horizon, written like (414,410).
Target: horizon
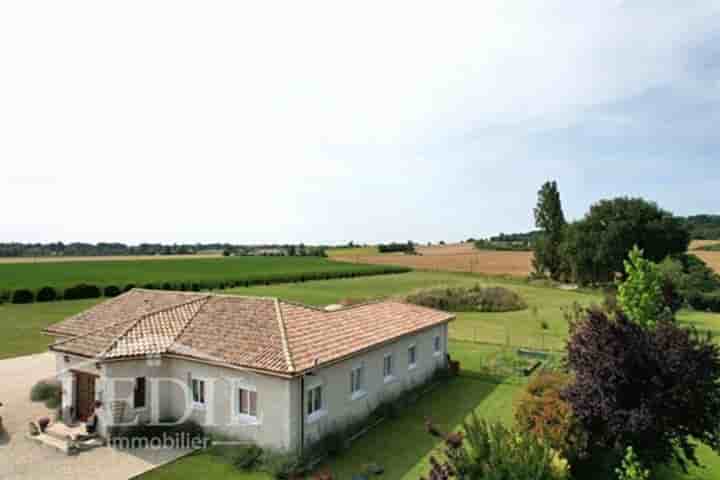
(169,122)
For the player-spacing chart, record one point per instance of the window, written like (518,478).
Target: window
(412,356)
(139,393)
(388,366)
(247,402)
(357,380)
(314,400)
(437,346)
(198,391)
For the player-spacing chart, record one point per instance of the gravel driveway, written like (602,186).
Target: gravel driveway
(21,458)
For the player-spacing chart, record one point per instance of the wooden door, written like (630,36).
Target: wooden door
(84,394)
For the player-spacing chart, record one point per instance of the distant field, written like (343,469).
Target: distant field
(695,244)
(111,258)
(462,257)
(204,271)
(711,258)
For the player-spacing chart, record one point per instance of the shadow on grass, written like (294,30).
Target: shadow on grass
(400,444)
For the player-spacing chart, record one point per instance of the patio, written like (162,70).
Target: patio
(21,458)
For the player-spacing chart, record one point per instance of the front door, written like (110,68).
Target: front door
(85,395)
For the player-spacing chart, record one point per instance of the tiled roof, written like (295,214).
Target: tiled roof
(327,336)
(250,332)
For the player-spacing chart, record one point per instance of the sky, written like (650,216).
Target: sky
(325,122)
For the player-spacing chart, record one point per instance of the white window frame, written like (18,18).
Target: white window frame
(412,359)
(310,400)
(238,404)
(357,381)
(388,376)
(437,345)
(200,405)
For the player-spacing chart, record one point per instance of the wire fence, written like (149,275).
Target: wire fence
(539,340)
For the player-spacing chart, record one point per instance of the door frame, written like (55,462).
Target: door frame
(76,392)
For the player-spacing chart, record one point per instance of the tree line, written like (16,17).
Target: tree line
(103,249)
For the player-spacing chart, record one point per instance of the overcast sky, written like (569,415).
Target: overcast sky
(248,122)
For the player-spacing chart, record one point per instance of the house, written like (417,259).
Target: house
(257,369)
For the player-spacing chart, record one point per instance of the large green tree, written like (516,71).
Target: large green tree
(549,218)
(596,246)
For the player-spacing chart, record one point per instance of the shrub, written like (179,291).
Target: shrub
(5,296)
(49,392)
(23,296)
(46,294)
(111,291)
(128,287)
(473,299)
(631,468)
(82,291)
(247,457)
(652,389)
(541,411)
(284,466)
(492,451)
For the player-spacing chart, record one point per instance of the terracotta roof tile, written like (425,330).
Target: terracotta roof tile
(251,332)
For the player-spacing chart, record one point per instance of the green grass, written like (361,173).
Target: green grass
(400,445)
(20,325)
(519,328)
(351,251)
(140,272)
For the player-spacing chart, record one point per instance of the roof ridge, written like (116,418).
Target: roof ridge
(187,322)
(134,323)
(283,336)
(345,307)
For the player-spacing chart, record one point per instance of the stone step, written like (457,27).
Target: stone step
(52,442)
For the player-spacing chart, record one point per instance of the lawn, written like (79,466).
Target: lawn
(402,446)
(406,446)
(20,325)
(223,269)
(516,328)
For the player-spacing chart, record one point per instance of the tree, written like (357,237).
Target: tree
(549,218)
(653,389)
(597,245)
(640,294)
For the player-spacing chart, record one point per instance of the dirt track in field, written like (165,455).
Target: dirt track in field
(462,257)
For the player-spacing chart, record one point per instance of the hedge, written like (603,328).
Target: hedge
(85,291)
(23,296)
(82,291)
(111,291)
(46,294)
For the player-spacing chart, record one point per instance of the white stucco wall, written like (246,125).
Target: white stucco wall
(340,406)
(278,399)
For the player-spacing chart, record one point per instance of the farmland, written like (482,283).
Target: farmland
(205,272)
(106,258)
(462,257)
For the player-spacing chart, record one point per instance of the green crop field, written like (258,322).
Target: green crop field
(207,272)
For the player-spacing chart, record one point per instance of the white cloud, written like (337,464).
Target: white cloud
(309,121)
